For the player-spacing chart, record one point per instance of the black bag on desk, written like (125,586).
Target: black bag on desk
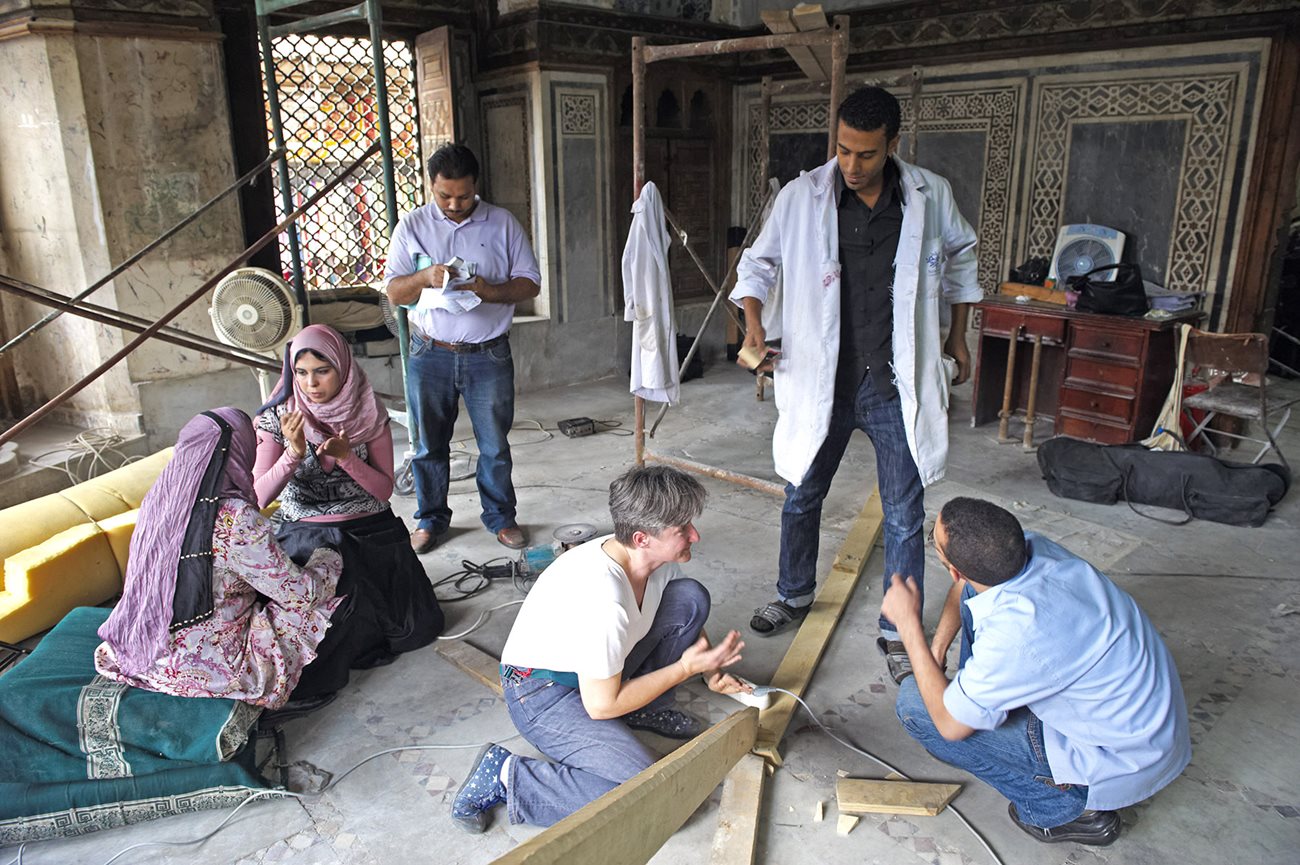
(1122,296)
(1199,485)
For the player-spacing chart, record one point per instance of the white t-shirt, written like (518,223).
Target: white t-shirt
(581,615)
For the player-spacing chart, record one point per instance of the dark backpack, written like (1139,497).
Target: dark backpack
(1197,484)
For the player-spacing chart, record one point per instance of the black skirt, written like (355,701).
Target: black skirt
(388,608)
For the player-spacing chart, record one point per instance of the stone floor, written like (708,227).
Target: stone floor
(1226,600)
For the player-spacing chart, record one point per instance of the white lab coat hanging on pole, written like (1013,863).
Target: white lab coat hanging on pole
(648,297)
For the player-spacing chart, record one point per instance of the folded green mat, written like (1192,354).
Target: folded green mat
(79,752)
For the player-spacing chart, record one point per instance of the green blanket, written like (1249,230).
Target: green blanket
(79,752)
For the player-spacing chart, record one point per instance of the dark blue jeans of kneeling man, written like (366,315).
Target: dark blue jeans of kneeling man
(592,757)
(1012,758)
(902,498)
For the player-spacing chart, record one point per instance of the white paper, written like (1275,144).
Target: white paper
(453,300)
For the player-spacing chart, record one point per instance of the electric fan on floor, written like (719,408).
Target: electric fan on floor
(254,309)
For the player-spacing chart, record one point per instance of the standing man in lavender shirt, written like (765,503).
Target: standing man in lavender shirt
(461,354)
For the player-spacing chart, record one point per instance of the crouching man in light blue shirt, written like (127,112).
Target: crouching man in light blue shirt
(1065,699)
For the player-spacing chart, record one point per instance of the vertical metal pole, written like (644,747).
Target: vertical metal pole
(839,53)
(765,132)
(638,181)
(916,115)
(277,135)
(374,17)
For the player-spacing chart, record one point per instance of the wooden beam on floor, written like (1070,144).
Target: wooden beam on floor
(630,823)
(801,659)
(735,842)
(475,663)
(863,796)
(778,21)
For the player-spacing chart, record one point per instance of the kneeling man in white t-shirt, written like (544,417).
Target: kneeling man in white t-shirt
(606,635)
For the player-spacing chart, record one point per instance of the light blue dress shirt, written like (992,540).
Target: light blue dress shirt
(491,238)
(1068,643)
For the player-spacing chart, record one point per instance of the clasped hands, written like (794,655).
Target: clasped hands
(292,427)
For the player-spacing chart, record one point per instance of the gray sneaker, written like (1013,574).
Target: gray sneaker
(900,666)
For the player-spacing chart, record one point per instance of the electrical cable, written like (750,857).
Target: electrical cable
(480,622)
(760,690)
(84,455)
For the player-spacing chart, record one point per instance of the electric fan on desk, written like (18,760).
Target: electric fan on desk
(1080,248)
(254,309)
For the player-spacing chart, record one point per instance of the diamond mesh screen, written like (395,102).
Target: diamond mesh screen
(330,115)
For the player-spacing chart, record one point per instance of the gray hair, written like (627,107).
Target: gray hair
(653,498)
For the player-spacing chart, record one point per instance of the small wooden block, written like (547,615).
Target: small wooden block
(819,813)
(843,773)
(894,776)
(475,663)
(862,796)
(846,824)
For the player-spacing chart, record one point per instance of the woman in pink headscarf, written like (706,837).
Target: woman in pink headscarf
(211,606)
(324,448)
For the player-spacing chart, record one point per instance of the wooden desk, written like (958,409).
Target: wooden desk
(1104,377)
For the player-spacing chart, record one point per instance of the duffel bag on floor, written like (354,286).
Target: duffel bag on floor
(1199,485)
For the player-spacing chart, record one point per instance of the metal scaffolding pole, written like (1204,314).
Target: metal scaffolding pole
(835,36)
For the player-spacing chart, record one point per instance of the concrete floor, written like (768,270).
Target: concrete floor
(1224,598)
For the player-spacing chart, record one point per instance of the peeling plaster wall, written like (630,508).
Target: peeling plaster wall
(160,135)
(115,139)
(52,232)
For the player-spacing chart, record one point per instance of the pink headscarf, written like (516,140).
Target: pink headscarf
(354,409)
(176,517)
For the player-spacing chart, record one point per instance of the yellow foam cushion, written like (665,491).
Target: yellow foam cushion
(27,524)
(119,529)
(120,490)
(75,568)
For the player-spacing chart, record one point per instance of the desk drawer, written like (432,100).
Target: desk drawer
(1115,409)
(1004,322)
(1089,374)
(1092,430)
(1109,343)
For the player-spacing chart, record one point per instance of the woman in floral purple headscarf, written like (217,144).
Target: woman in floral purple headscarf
(212,606)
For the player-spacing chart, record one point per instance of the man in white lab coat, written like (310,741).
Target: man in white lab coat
(875,259)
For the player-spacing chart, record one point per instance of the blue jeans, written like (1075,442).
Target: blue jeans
(439,378)
(592,757)
(1012,758)
(901,496)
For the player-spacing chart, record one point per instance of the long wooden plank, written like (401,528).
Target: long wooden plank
(809,16)
(862,796)
(736,840)
(477,664)
(800,661)
(630,823)
(778,21)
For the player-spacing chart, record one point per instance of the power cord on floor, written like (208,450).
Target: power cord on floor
(760,690)
(86,455)
(278,794)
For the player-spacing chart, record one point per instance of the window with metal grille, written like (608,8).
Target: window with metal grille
(330,115)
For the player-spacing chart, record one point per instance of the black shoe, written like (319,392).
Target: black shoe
(1094,828)
(776,617)
(900,666)
(670,723)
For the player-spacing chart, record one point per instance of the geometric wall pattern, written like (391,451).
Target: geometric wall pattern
(1206,101)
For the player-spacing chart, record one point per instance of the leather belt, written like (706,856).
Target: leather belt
(470,347)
